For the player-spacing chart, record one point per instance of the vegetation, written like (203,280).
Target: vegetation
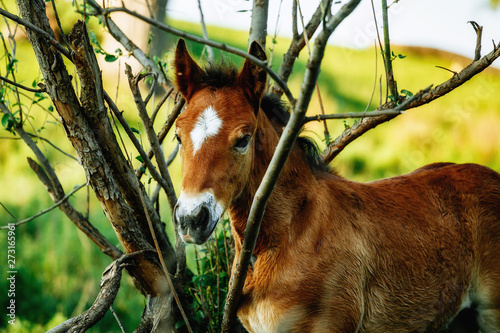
(59,268)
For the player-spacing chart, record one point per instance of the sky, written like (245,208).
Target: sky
(432,23)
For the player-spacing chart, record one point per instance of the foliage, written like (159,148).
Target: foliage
(208,288)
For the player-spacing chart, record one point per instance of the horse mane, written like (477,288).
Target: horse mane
(220,75)
(278,113)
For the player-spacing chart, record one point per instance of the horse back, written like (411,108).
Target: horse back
(426,245)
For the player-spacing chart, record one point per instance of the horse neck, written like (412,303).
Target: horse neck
(286,199)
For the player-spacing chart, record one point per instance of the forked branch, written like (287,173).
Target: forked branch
(110,284)
(426,96)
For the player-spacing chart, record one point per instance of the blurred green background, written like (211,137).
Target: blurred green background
(59,269)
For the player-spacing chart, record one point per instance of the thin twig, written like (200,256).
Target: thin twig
(47,209)
(479,34)
(153,140)
(387,53)
(210,52)
(163,132)
(59,22)
(21,86)
(374,79)
(8,212)
(447,69)
(53,146)
(160,256)
(33,27)
(116,316)
(321,117)
(160,104)
(306,38)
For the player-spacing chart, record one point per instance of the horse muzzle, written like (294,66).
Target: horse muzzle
(197,216)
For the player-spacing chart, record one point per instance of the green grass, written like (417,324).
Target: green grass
(59,268)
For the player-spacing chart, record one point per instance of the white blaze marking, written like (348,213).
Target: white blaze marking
(208,125)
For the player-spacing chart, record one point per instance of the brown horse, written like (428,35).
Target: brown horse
(405,254)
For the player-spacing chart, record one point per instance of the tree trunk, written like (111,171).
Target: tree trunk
(89,130)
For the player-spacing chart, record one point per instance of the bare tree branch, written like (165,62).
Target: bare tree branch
(320,117)
(50,38)
(366,124)
(110,284)
(297,44)
(21,86)
(46,210)
(120,36)
(389,73)
(479,33)
(153,140)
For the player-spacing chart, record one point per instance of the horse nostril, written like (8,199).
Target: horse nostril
(176,218)
(202,216)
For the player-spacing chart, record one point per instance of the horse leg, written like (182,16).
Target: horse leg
(487,291)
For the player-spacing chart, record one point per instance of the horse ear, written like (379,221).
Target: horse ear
(187,71)
(252,78)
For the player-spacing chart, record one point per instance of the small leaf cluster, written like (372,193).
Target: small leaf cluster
(207,290)
(99,50)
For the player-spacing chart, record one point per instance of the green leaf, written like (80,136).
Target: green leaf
(110,58)
(93,38)
(5,120)
(406,92)
(400,56)
(179,324)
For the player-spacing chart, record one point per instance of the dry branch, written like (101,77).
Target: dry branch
(133,49)
(110,284)
(425,97)
(297,44)
(153,140)
(164,131)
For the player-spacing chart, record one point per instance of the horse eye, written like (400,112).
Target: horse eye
(178,138)
(243,142)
